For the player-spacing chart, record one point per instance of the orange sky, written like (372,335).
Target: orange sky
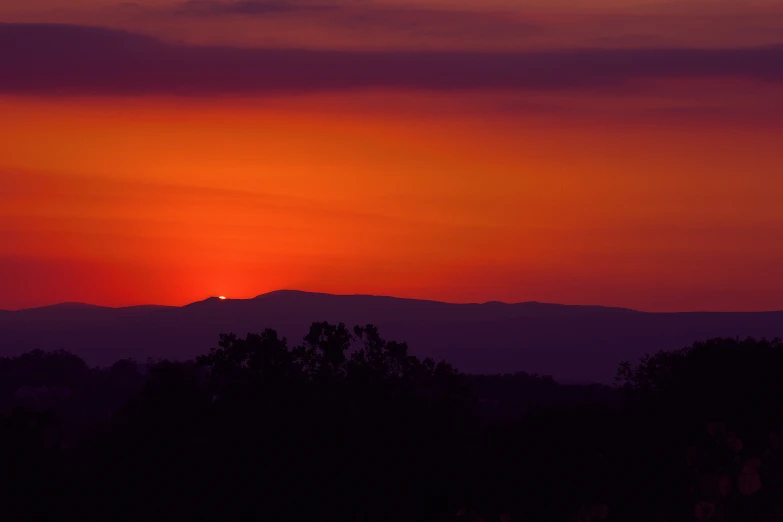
(617,152)
(461,197)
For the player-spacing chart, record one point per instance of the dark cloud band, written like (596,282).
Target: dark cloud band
(58,59)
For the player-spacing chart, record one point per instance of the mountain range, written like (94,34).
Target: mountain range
(570,343)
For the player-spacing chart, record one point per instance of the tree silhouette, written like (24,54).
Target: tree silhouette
(264,355)
(349,426)
(716,379)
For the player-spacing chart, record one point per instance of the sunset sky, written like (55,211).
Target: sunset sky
(615,152)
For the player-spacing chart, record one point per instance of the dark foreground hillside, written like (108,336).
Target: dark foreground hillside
(347,426)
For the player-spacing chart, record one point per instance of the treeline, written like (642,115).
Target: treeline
(348,426)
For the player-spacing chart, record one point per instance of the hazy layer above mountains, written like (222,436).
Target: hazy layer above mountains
(571,343)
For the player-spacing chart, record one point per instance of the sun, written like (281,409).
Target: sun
(222,297)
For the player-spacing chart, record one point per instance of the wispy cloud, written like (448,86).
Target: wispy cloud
(251,7)
(369,17)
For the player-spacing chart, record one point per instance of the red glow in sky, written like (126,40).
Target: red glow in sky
(521,160)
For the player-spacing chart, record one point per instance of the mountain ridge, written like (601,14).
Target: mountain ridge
(288,293)
(304,293)
(568,342)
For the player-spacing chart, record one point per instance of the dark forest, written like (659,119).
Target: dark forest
(345,425)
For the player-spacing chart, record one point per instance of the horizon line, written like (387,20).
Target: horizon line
(382,296)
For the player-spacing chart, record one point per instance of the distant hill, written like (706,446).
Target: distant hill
(571,343)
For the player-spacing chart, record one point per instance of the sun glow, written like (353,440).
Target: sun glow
(222,297)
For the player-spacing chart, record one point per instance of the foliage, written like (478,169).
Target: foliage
(348,426)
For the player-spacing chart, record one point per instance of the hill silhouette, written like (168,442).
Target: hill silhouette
(570,343)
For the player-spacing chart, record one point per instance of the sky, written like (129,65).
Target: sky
(622,153)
